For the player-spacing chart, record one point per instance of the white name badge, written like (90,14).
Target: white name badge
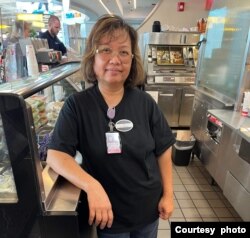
(124,125)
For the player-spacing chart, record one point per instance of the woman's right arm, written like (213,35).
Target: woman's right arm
(100,209)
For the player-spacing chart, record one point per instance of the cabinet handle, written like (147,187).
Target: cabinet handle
(167,94)
(189,95)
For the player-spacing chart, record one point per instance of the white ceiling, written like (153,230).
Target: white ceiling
(92,8)
(124,8)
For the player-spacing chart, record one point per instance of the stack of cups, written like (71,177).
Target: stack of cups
(32,64)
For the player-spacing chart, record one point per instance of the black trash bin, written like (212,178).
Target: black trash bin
(182,150)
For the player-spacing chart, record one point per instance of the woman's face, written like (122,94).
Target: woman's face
(113,59)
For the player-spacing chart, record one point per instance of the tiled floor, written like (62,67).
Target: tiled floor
(196,199)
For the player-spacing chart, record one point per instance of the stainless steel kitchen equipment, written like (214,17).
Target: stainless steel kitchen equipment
(222,78)
(170,60)
(229,163)
(237,181)
(223,65)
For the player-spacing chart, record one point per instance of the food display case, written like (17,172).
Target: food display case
(34,200)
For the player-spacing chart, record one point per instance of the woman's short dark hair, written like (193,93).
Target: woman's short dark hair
(106,26)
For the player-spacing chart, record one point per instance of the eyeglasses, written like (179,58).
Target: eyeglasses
(107,53)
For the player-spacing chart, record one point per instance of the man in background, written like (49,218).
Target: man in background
(54,27)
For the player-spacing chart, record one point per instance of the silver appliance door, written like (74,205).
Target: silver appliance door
(186,106)
(169,102)
(238,196)
(209,154)
(238,166)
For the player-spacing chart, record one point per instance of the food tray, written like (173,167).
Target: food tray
(176,56)
(163,57)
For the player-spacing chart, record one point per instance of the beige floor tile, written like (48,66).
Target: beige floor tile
(193,169)
(181,169)
(177,181)
(193,219)
(163,224)
(222,212)
(205,188)
(176,219)
(192,187)
(196,195)
(201,181)
(201,203)
(188,181)
(227,219)
(177,213)
(206,212)
(196,174)
(216,203)
(179,188)
(208,219)
(210,195)
(182,195)
(190,212)
(176,204)
(164,234)
(184,175)
(188,203)
(196,198)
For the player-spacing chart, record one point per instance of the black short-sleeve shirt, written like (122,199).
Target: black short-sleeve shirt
(53,42)
(131,179)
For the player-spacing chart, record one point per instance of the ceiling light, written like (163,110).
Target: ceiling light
(119,6)
(134,4)
(105,7)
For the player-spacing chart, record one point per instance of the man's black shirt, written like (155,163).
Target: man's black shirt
(54,42)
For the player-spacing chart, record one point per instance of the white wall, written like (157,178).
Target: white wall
(167,14)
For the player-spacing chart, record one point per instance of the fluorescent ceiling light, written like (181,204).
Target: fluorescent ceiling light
(119,6)
(134,4)
(109,12)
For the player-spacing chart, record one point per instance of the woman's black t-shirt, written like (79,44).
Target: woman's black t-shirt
(131,179)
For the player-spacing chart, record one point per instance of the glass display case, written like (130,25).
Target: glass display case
(34,200)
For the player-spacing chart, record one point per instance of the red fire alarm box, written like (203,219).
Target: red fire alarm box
(208,4)
(180,6)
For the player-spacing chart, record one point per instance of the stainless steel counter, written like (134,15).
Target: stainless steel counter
(234,120)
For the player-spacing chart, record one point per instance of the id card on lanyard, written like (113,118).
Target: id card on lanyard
(113,140)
